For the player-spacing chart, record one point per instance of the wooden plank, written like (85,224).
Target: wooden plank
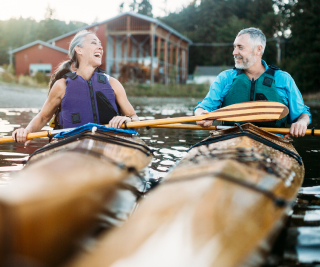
(123,47)
(129,46)
(54,202)
(181,65)
(177,63)
(114,53)
(165,67)
(128,23)
(186,63)
(159,50)
(129,32)
(171,57)
(199,218)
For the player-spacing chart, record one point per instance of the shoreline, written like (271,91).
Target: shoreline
(15,95)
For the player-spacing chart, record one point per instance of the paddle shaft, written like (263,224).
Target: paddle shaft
(218,127)
(29,136)
(242,112)
(129,125)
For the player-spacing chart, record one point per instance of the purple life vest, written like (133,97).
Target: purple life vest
(87,101)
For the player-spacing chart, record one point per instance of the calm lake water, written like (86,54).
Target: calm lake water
(299,242)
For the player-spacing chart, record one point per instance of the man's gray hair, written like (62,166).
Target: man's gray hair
(257,37)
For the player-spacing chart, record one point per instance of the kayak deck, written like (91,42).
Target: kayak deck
(64,191)
(222,205)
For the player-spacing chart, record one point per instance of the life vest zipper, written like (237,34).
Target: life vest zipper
(253,82)
(93,104)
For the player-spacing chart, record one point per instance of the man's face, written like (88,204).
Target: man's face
(243,52)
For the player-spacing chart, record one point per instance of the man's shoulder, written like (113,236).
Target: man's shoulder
(227,74)
(283,76)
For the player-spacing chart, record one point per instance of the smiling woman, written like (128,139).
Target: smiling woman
(84,96)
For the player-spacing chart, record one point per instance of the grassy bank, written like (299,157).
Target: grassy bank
(136,89)
(176,90)
(40,80)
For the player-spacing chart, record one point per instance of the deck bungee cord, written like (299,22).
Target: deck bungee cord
(244,132)
(278,201)
(244,155)
(106,138)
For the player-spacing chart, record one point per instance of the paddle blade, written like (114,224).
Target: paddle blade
(253,111)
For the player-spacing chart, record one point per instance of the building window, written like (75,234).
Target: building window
(44,68)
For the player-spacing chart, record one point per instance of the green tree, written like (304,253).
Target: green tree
(18,32)
(301,19)
(219,21)
(121,6)
(133,6)
(145,8)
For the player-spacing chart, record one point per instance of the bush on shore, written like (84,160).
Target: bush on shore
(171,90)
(38,80)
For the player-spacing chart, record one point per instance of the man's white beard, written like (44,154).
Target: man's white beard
(246,62)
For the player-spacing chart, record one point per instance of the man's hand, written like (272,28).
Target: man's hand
(298,129)
(203,123)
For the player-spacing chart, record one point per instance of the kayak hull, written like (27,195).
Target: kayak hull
(62,196)
(222,205)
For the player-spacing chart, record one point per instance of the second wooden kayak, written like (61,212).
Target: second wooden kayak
(222,205)
(67,190)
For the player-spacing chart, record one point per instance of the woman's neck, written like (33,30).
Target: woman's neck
(86,72)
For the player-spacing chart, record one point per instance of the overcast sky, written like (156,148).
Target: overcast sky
(81,10)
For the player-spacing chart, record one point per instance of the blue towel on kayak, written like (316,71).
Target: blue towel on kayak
(89,126)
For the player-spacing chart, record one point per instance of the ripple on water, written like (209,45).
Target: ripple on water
(303,244)
(13,154)
(311,190)
(167,162)
(173,152)
(162,168)
(180,148)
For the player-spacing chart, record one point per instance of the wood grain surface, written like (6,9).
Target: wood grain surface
(198,218)
(53,203)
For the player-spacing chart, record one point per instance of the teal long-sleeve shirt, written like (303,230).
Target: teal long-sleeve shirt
(286,88)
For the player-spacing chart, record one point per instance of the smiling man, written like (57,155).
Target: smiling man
(252,79)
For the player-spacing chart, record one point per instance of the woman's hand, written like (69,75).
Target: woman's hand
(117,121)
(20,136)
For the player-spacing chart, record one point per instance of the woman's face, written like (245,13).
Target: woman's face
(91,51)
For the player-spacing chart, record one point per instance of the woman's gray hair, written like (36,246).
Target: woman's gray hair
(77,41)
(257,37)
(65,66)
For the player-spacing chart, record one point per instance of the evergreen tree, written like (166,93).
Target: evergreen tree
(18,32)
(302,56)
(145,8)
(219,21)
(133,6)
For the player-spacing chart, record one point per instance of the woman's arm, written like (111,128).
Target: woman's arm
(124,104)
(43,117)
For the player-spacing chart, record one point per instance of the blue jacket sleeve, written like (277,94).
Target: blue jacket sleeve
(296,104)
(214,97)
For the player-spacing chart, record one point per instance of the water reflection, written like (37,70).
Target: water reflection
(302,242)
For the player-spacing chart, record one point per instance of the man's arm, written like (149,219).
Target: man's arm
(298,129)
(299,113)
(213,99)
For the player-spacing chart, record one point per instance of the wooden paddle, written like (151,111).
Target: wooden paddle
(253,111)
(221,127)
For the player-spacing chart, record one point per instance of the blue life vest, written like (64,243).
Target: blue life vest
(87,101)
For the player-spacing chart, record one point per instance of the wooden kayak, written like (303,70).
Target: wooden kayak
(68,190)
(222,205)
